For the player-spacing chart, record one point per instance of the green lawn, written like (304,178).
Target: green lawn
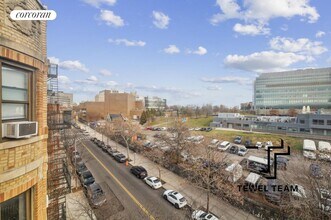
(293,142)
(199,122)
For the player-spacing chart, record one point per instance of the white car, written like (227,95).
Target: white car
(259,144)
(214,141)
(153,182)
(267,145)
(201,215)
(175,198)
(224,146)
(242,151)
(197,129)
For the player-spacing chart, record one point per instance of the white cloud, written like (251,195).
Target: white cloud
(111,19)
(171,49)
(320,34)
(176,92)
(105,72)
(302,46)
(92,79)
(97,3)
(265,61)
(111,83)
(230,10)
(200,51)
(160,20)
(127,43)
(214,88)
(228,79)
(73,65)
(262,11)
(251,29)
(54,60)
(63,80)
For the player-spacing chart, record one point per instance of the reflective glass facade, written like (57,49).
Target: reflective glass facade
(293,89)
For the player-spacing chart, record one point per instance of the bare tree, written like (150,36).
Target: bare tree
(125,131)
(208,173)
(313,200)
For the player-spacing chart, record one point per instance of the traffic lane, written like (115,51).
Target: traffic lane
(109,186)
(151,199)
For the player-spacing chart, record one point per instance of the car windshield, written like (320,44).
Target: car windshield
(203,215)
(156,181)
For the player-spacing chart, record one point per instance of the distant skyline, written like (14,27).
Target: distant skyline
(188,52)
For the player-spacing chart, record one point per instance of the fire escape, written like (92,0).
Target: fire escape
(58,176)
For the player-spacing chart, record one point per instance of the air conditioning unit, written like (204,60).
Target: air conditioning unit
(22,129)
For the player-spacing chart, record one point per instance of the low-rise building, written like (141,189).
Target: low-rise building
(111,102)
(155,103)
(313,124)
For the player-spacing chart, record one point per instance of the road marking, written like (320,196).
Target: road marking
(121,185)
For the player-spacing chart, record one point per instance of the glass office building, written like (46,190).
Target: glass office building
(293,89)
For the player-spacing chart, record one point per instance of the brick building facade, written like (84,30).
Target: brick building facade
(23,162)
(111,102)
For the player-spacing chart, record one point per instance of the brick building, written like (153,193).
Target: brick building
(23,74)
(111,102)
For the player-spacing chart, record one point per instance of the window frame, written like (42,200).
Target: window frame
(31,92)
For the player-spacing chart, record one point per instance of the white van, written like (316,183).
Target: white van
(324,150)
(309,149)
(224,146)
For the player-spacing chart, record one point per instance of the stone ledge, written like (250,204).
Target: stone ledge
(17,172)
(17,143)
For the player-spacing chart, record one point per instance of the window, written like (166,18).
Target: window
(18,207)
(328,122)
(16,93)
(302,121)
(318,122)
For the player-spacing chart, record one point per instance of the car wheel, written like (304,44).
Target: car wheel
(177,206)
(165,197)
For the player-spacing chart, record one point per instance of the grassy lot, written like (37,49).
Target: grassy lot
(191,122)
(199,122)
(293,142)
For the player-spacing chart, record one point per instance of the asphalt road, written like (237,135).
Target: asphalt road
(139,200)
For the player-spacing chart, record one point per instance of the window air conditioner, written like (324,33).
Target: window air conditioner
(22,129)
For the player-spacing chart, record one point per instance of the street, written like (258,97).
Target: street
(139,200)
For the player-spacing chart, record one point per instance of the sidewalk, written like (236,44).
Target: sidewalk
(195,196)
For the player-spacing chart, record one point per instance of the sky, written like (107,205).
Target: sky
(191,52)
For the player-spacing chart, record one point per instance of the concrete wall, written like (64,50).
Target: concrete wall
(23,163)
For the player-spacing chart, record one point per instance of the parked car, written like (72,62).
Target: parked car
(80,168)
(248,143)
(234,149)
(201,215)
(282,163)
(113,152)
(208,129)
(203,129)
(267,145)
(309,149)
(242,151)
(76,159)
(105,148)
(315,170)
(325,202)
(93,139)
(87,178)
(214,141)
(224,146)
(153,182)
(259,144)
(121,158)
(238,140)
(197,129)
(139,171)
(175,198)
(95,195)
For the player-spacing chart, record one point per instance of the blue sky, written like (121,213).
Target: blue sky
(187,51)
